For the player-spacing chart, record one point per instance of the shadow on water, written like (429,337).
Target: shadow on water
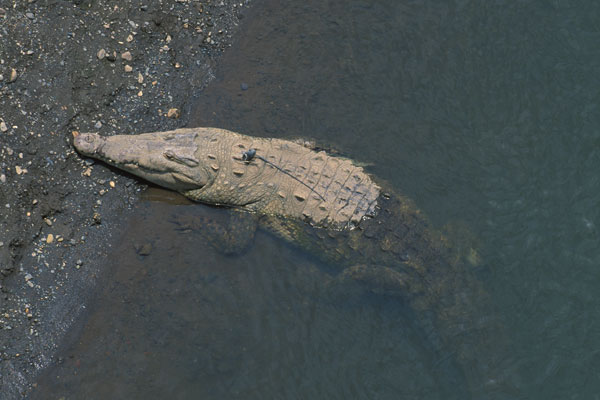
(176,318)
(481,112)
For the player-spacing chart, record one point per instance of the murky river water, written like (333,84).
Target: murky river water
(486,113)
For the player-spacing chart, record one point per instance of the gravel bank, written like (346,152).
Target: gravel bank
(82,65)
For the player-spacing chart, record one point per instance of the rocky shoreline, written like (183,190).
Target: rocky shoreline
(83,65)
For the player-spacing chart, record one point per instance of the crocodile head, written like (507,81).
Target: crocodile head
(166,159)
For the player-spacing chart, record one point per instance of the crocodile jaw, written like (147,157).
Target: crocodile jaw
(168,160)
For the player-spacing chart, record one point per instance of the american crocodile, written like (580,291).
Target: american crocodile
(330,206)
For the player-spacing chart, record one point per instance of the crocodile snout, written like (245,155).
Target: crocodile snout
(87,143)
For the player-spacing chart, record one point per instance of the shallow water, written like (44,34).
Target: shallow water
(485,113)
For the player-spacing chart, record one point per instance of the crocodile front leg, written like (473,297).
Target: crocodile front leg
(378,279)
(228,234)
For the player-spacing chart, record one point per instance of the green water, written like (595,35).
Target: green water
(485,113)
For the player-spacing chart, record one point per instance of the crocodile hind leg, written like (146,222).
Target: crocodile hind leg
(228,231)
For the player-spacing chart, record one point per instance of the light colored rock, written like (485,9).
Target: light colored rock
(173,113)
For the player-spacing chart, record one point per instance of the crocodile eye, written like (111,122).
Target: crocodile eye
(89,138)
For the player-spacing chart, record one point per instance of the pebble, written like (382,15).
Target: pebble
(2,178)
(140,78)
(127,56)
(97,219)
(30,15)
(101,54)
(111,184)
(98,125)
(48,221)
(13,75)
(3,126)
(49,238)
(129,38)
(128,68)
(144,249)
(173,113)
(28,277)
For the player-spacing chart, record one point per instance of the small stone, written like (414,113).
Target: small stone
(129,38)
(49,238)
(140,78)
(28,277)
(3,126)
(13,75)
(79,262)
(97,219)
(2,12)
(98,125)
(112,57)
(111,184)
(244,86)
(87,172)
(30,15)
(30,284)
(127,56)
(128,68)
(18,170)
(2,178)
(173,113)
(48,221)
(101,54)
(143,249)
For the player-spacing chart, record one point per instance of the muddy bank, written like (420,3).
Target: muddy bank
(84,65)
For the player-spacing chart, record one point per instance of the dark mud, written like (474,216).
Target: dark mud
(82,65)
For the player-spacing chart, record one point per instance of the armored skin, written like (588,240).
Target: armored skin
(331,207)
